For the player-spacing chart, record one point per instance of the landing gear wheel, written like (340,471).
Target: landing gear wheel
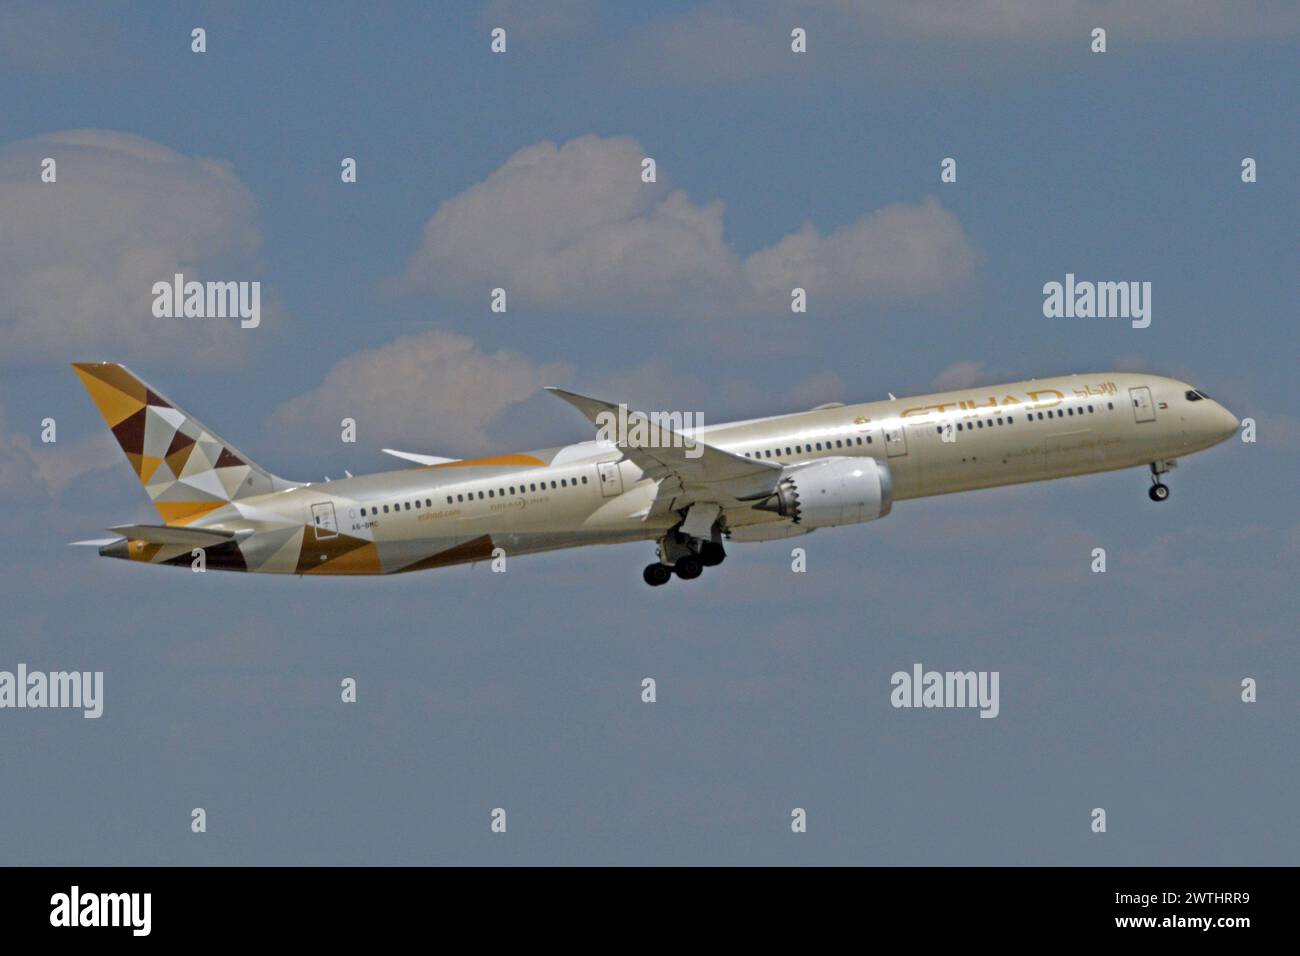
(688,567)
(656,574)
(712,554)
(1159,492)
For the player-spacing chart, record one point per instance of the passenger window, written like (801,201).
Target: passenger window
(1010,419)
(363,512)
(999,420)
(417,502)
(491,493)
(552,485)
(868,439)
(584,479)
(1111,406)
(385,509)
(460,497)
(564,483)
(449,499)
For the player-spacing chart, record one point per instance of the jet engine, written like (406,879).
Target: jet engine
(832,492)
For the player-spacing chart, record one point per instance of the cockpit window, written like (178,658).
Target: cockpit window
(1192,395)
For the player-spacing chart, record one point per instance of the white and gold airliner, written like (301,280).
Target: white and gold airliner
(689,489)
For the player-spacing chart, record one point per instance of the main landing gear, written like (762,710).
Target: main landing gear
(1159,491)
(688,556)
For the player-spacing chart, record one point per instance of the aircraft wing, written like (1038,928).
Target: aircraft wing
(418,459)
(164,534)
(704,473)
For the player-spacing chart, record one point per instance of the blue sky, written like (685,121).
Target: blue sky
(522,690)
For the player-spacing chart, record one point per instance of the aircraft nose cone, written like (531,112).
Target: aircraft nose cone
(1227,423)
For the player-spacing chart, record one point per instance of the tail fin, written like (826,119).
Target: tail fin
(186,469)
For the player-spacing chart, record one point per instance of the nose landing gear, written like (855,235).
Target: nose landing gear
(1159,491)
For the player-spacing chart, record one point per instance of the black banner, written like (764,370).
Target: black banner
(337,904)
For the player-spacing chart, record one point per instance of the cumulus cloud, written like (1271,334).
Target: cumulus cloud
(435,392)
(901,251)
(28,465)
(79,257)
(573,227)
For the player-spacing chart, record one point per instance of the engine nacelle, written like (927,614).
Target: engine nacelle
(836,491)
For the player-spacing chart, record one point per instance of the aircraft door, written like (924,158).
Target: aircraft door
(611,480)
(1143,409)
(322,516)
(895,439)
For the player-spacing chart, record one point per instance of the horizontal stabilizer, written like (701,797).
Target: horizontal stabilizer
(162,534)
(93,543)
(419,459)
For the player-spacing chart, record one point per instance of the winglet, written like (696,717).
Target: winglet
(590,407)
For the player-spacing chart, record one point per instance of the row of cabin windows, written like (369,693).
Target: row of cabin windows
(491,493)
(1011,420)
(804,449)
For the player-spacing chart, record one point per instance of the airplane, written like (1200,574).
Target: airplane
(690,490)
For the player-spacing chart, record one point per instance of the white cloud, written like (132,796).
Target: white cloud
(28,465)
(79,257)
(573,227)
(434,392)
(901,251)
